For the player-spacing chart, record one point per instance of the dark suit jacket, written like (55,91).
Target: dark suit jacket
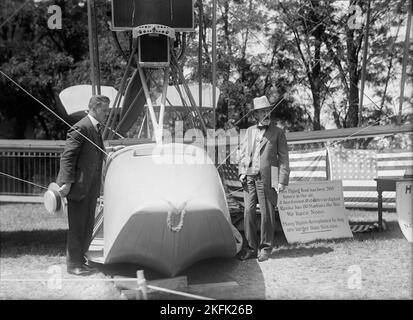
(274,160)
(81,161)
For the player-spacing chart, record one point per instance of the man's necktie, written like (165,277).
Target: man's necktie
(264,126)
(99,128)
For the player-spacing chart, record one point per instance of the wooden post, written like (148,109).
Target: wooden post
(214,59)
(363,72)
(142,285)
(201,13)
(96,46)
(91,47)
(163,101)
(405,57)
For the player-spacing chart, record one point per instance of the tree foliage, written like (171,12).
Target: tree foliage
(305,56)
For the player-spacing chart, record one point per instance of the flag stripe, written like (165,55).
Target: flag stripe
(303,154)
(357,183)
(395,163)
(308,174)
(394,155)
(398,168)
(302,178)
(302,163)
(369,205)
(308,169)
(391,173)
(360,188)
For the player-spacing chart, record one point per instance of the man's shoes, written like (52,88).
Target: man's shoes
(248,254)
(91,269)
(79,271)
(263,256)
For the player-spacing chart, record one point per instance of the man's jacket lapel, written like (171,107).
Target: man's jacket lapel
(266,137)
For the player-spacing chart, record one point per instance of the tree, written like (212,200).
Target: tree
(385,18)
(307,23)
(286,50)
(245,69)
(45,61)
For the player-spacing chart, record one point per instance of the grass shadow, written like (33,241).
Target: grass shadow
(208,271)
(34,242)
(126,270)
(297,252)
(248,275)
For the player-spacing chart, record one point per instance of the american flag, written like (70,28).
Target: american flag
(308,165)
(358,169)
(349,164)
(394,163)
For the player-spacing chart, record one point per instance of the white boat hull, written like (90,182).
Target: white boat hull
(165,208)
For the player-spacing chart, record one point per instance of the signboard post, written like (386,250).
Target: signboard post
(313,210)
(404,207)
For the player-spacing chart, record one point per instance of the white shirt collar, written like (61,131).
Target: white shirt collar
(93,120)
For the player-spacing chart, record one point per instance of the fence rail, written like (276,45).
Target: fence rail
(38,167)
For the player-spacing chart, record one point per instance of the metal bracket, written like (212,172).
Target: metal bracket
(153,28)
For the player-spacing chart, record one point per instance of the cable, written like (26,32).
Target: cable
(54,113)
(26,181)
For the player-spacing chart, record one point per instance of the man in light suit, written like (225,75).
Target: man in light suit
(80,179)
(264,171)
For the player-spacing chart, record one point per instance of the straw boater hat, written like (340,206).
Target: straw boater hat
(261,103)
(53,201)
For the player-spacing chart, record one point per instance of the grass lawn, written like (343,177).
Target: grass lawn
(32,249)
(376,265)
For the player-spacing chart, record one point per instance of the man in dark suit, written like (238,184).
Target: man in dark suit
(80,179)
(264,171)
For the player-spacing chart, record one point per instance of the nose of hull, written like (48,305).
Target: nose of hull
(150,238)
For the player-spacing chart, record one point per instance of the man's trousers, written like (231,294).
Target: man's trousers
(81,218)
(254,193)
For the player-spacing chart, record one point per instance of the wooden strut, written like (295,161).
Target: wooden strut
(188,93)
(142,125)
(125,116)
(112,114)
(156,126)
(178,89)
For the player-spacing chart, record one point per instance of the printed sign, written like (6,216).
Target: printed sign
(404,206)
(313,210)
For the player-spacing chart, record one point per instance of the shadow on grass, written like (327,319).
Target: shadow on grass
(205,272)
(35,242)
(296,252)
